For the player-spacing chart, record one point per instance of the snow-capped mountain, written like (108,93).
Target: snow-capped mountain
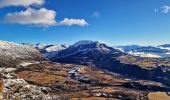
(86,52)
(100,55)
(42,80)
(51,50)
(83,42)
(147,51)
(48,50)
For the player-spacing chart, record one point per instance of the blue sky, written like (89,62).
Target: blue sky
(116,22)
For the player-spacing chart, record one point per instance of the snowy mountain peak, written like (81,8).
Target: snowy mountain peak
(84,42)
(88,45)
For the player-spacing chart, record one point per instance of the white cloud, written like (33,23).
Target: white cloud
(165,9)
(41,17)
(25,3)
(96,14)
(70,22)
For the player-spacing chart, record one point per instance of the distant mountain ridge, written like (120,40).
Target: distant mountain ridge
(100,55)
(111,73)
(48,50)
(143,59)
(147,51)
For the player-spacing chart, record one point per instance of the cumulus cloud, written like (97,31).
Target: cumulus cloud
(165,9)
(70,22)
(25,3)
(42,17)
(39,17)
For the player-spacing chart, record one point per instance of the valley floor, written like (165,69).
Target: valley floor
(54,81)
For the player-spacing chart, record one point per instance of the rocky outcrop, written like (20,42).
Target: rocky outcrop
(15,88)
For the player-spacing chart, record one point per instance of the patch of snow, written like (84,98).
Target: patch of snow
(83,42)
(98,94)
(24,64)
(54,48)
(143,54)
(120,49)
(7,70)
(168,53)
(10,70)
(48,50)
(165,48)
(14,50)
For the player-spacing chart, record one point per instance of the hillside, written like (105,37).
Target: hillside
(100,55)
(38,79)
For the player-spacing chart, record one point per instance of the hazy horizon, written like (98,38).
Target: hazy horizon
(62,43)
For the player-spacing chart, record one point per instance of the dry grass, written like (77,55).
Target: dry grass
(144,62)
(57,75)
(105,90)
(40,78)
(1,87)
(100,75)
(158,96)
(93,98)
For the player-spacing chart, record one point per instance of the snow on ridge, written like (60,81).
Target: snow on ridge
(6,42)
(83,42)
(165,48)
(120,49)
(54,48)
(14,50)
(48,47)
(48,50)
(40,46)
(12,45)
(25,64)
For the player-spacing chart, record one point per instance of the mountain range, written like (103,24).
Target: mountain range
(160,51)
(87,70)
(100,55)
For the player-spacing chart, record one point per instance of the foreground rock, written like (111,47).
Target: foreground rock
(14,88)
